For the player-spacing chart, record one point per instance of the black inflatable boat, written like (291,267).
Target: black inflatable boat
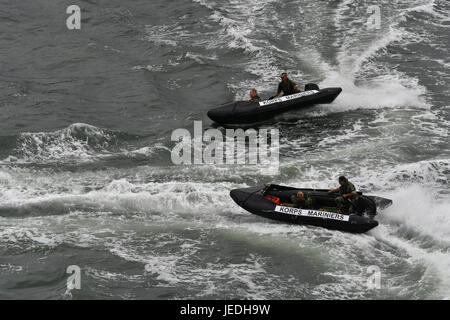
(246,112)
(266,201)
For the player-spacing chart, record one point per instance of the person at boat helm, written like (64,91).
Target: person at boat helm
(299,201)
(254,96)
(348,195)
(286,85)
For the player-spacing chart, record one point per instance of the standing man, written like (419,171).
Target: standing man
(347,193)
(286,85)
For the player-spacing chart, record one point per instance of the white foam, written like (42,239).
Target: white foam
(79,142)
(435,259)
(389,89)
(164,34)
(5,178)
(200,58)
(429,8)
(239,30)
(351,59)
(71,142)
(10,268)
(63,192)
(416,207)
(383,92)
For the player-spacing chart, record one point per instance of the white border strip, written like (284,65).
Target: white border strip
(312,213)
(287,98)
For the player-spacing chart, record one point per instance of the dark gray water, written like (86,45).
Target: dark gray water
(86,177)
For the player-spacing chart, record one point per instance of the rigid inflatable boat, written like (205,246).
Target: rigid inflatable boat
(267,201)
(247,112)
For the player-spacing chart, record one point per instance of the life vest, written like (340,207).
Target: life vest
(273,199)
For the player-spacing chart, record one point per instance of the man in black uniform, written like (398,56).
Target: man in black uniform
(287,86)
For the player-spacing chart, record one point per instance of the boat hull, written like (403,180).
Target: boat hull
(260,201)
(246,112)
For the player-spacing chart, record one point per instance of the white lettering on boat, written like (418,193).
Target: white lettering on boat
(287,98)
(312,213)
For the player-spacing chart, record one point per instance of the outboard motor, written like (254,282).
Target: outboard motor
(311,86)
(366,205)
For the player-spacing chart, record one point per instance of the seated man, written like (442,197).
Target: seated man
(310,202)
(299,201)
(348,195)
(254,96)
(286,85)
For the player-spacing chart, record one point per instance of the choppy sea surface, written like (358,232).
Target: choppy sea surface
(86,176)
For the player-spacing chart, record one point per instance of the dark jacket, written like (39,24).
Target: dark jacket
(287,87)
(255,99)
(346,188)
(305,203)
